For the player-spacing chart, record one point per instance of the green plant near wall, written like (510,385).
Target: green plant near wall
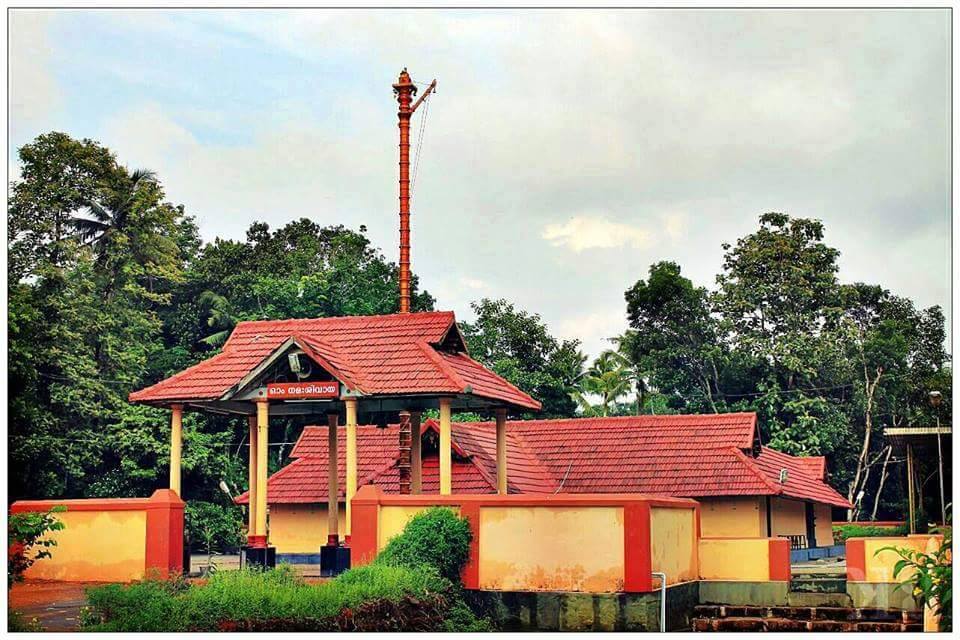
(932,580)
(842,532)
(26,532)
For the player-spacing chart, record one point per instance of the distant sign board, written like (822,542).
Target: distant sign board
(303,390)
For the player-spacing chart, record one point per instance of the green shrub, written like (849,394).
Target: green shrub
(414,585)
(841,532)
(212,527)
(437,537)
(26,532)
(931,582)
(246,596)
(17,623)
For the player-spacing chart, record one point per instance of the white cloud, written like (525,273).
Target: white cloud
(34,94)
(594,232)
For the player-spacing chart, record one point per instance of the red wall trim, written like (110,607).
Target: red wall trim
(856,560)
(636,548)
(86,504)
(471,570)
(779,559)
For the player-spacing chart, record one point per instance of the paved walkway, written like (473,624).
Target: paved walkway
(55,605)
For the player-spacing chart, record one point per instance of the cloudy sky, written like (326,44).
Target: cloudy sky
(564,153)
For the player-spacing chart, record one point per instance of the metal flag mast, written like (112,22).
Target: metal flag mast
(405,90)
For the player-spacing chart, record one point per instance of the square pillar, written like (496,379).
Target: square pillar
(176,445)
(252,480)
(501,451)
(263,442)
(446,459)
(351,406)
(333,482)
(416,473)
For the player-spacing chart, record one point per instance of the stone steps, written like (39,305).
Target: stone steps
(739,618)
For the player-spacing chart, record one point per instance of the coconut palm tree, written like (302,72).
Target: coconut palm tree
(220,317)
(607,378)
(104,222)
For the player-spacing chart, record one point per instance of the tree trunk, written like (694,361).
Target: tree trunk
(856,484)
(883,480)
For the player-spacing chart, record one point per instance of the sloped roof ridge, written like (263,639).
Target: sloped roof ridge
(397,317)
(447,370)
(748,461)
(531,455)
(167,382)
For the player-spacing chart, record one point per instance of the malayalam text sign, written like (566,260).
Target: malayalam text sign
(303,390)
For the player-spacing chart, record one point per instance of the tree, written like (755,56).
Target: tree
(609,378)
(58,177)
(517,345)
(674,336)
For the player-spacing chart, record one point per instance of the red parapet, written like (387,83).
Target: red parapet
(365,522)
(471,570)
(164,543)
(636,548)
(856,560)
(779,559)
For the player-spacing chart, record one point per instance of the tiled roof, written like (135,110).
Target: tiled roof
(800,482)
(374,355)
(683,456)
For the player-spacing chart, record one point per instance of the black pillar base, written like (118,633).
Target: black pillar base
(260,557)
(334,560)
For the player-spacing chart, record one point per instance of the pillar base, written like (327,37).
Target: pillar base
(256,542)
(334,560)
(260,557)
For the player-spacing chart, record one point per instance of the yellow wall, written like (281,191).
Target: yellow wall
(745,559)
(392,521)
(788,517)
(673,543)
(732,517)
(551,548)
(824,524)
(106,546)
(879,564)
(300,528)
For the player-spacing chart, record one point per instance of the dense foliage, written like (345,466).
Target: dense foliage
(27,540)
(841,532)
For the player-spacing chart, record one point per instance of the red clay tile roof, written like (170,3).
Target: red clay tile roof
(374,355)
(683,456)
(800,482)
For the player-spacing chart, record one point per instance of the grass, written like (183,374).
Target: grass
(245,595)
(843,531)
(402,590)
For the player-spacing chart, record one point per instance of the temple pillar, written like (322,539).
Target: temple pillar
(403,462)
(501,451)
(263,442)
(351,406)
(446,458)
(252,480)
(416,475)
(333,483)
(176,445)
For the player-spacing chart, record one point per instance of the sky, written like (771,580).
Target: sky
(564,152)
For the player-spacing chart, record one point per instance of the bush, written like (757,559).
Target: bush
(437,538)
(212,527)
(17,623)
(841,532)
(25,531)
(249,599)
(414,585)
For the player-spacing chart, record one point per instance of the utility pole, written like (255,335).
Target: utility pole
(935,399)
(405,90)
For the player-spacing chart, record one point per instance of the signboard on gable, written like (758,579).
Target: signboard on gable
(303,390)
